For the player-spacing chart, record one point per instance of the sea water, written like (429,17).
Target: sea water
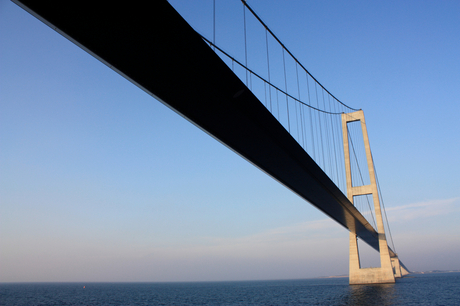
(416,289)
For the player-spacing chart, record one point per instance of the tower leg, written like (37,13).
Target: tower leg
(355,264)
(399,268)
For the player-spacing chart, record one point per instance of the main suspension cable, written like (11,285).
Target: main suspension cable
(263,79)
(289,52)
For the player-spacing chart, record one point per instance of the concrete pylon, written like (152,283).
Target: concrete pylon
(386,272)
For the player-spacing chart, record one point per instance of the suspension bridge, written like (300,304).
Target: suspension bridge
(271,111)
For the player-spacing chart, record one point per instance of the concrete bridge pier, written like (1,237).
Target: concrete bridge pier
(389,267)
(398,268)
(382,275)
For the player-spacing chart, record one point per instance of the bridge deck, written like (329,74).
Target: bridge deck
(153,46)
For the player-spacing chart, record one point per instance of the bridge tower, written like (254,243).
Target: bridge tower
(386,273)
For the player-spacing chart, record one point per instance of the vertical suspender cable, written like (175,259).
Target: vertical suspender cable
(268,69)
(214,23)
(383,206)
(286,89)
(300,105)
(328,145)
(311,120)
(333,143)
(245,43)
(320,128)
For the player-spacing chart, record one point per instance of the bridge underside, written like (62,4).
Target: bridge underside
(153,46)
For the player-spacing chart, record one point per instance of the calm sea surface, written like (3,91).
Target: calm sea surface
(425,289)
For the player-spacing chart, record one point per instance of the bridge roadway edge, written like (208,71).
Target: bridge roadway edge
(154,47)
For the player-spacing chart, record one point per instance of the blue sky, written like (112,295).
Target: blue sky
(101,182)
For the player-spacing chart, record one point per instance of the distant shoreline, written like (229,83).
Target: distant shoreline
(434,271)
(333,276)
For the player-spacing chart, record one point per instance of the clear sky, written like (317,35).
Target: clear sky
(101,182)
